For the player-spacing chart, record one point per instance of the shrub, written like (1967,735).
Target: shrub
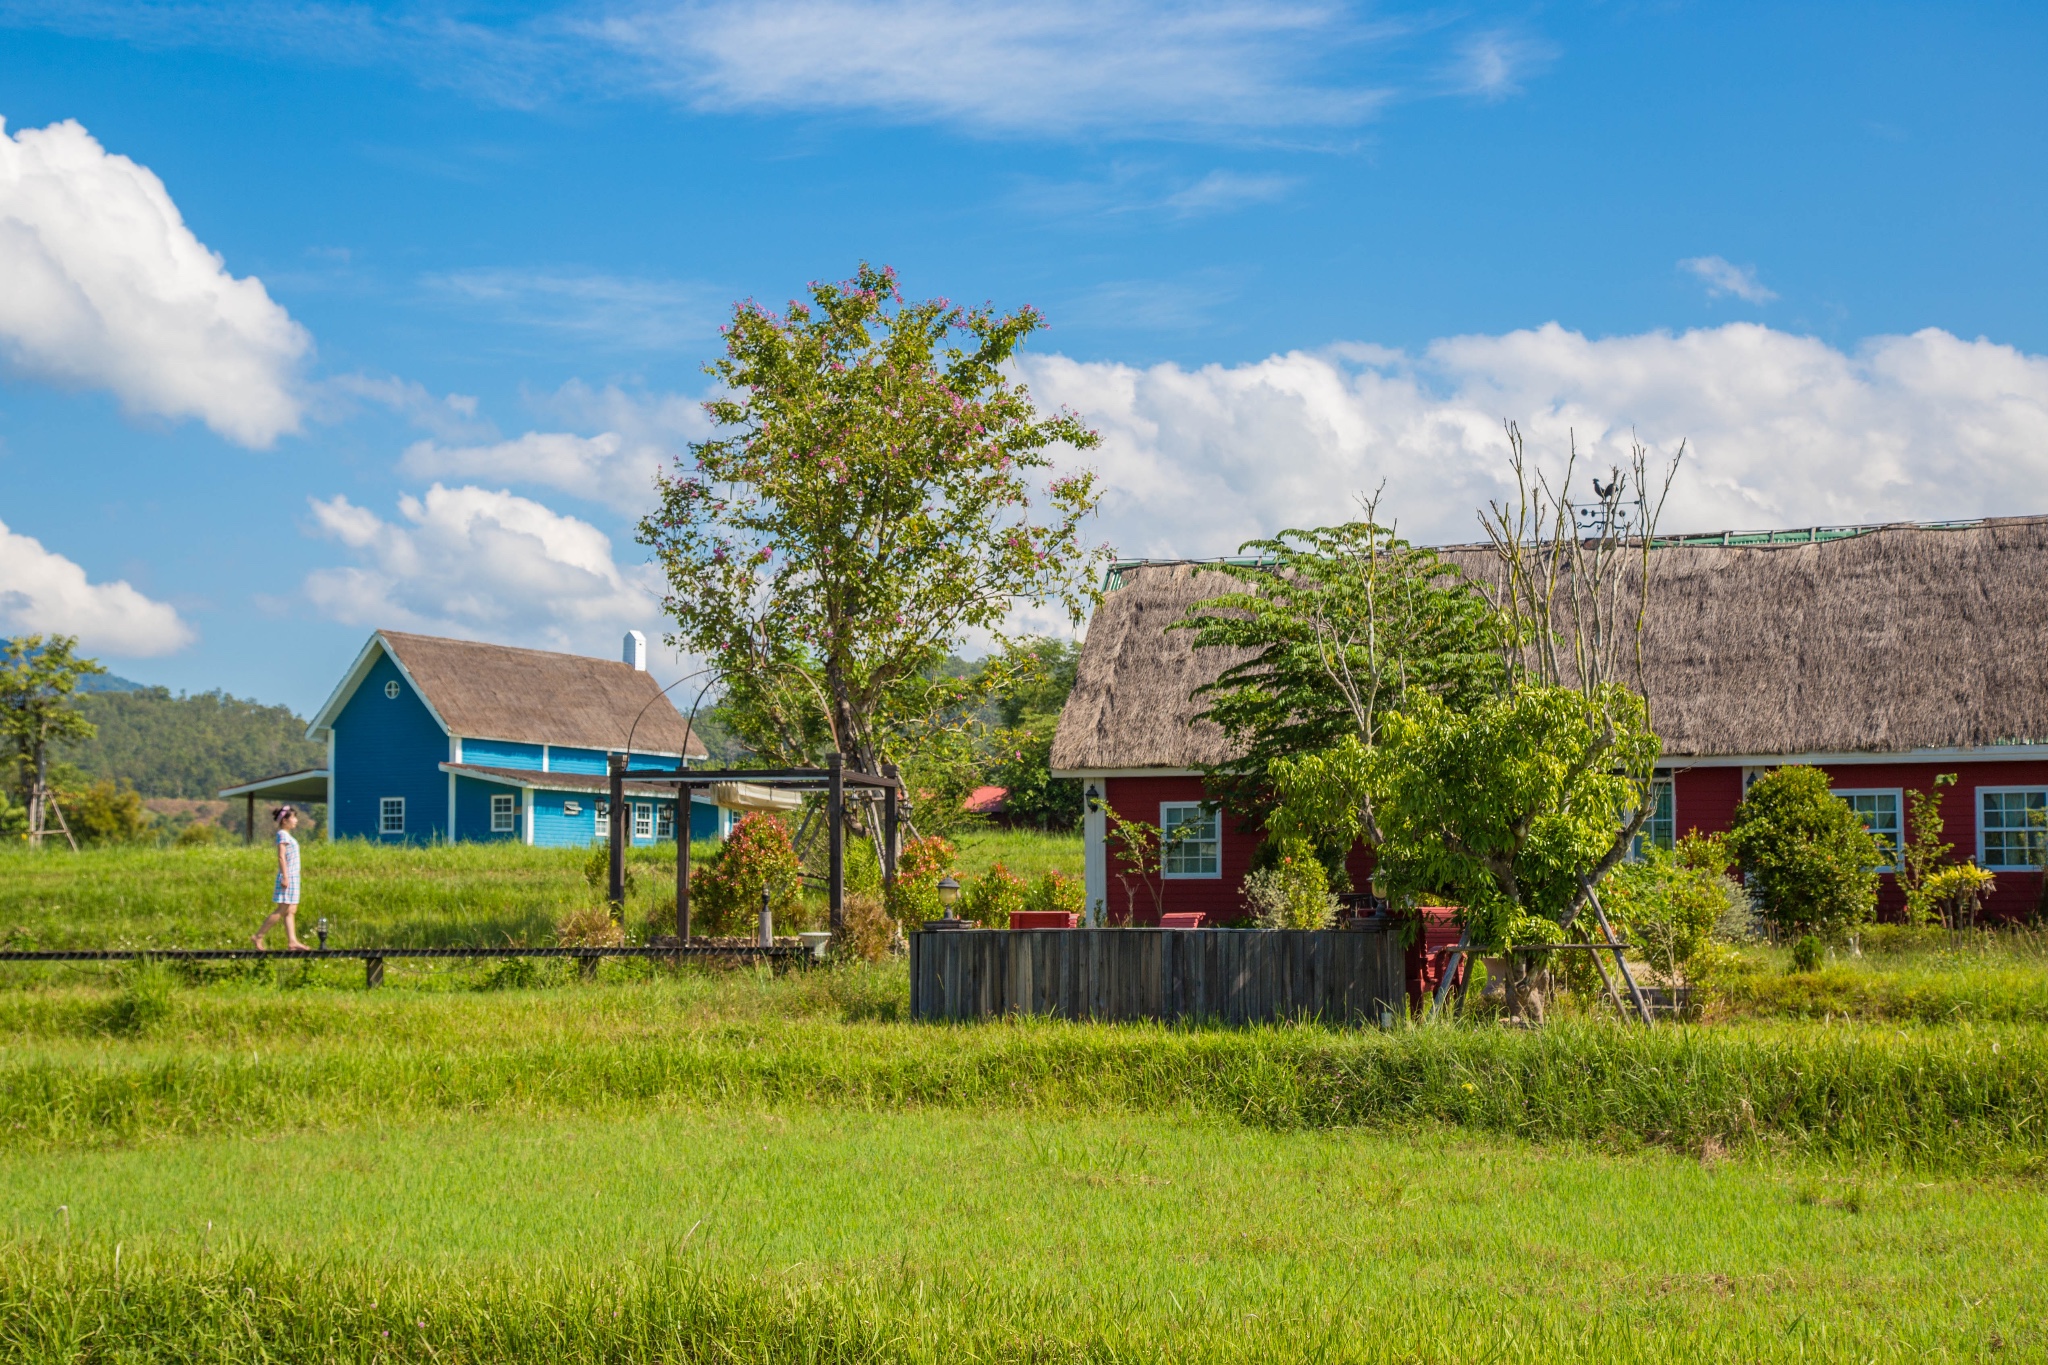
(869,930)
(992,897)
(863,867)
(1805,854)
(1669,904)
(1806,953)
(758,855)
(1294,893)
(512,974)
(198,834)
(1056,890)
(915,897)
(1954,894)
(597,870)
(592,926)
(105,813)
(144,1001)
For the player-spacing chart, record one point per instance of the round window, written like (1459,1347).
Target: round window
(391,689)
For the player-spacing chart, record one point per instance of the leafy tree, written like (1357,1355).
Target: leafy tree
(1807,857)
(1925,854)
(1041,675)
(38,710)
(867,501)
(1669,903)
(106,813)
(188,746)
(1336,625)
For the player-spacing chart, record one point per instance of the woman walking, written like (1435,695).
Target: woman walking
(286,894)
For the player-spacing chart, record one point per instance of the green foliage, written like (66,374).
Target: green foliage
(866,501)
(1509,809)
(1322,798)
(725,897)
(1804,854)
(39,679)
(1954,894)
(1807,952)
(1669,903)
(511,974)
(1293,893)
(597,872)
(189,746)
(199,835)
(106,813)
(861,866)
(1339,624)
(143,1001)
(991,898)
(924,862)
(1057,891)
(1924,853)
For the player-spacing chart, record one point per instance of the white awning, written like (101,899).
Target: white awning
(307,784)
(754,796)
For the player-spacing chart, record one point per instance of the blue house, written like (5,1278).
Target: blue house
(433,739)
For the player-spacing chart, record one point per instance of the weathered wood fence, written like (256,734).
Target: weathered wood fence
(1234,976)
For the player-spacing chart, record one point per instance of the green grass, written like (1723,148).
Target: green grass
(1028,853)
(798,1234)
(1899,974)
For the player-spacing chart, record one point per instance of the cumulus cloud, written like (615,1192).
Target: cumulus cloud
(1723,278)
(476,562)
(42,592)
(105,287)
(1781,430)
(638,435)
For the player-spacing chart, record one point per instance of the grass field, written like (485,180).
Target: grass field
(270,1163)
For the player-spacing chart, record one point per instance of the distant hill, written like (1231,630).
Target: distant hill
(188,746)
(109,682)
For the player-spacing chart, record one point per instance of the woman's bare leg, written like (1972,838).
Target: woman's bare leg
(291,929)
(283,912)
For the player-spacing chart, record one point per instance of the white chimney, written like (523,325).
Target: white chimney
(636,650)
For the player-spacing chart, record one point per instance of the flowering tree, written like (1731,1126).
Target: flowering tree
(867,501)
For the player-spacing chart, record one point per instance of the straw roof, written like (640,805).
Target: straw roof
(532,696)
(1881,641)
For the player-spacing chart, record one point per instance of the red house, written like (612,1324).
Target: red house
(1886,655)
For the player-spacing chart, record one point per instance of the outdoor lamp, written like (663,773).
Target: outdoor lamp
(949,892)
(321,929)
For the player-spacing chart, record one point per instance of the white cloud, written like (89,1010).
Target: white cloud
(1723,278)
(1493,65)
(639,435)
(1052,66)
(451,417)
(476,562)
(42,592)
(1219,191)
(106,287)
(1782,430)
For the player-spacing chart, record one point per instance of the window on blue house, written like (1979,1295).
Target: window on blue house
(643,822)
(391,815)
(604,822)
(504,814)
(664,822)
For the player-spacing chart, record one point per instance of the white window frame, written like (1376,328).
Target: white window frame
(392,689)
(664,822)
(1898,796)
(388,807)
(1982,860)
(603,811)
(643,820)
(1171,814)
(504,813)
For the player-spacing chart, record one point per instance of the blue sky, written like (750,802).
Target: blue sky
(1288,252)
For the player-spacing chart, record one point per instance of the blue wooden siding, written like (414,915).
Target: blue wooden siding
(561,760)
(498,753)
(707,821)
(473,811)
(388,747)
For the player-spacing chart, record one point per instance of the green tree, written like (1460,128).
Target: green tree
(107,812)
(1805,856)
(1019,748)
(39,710)
(867,501)
(1335,626)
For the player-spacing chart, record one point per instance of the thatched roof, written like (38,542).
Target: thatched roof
(1878,641)
(532,696)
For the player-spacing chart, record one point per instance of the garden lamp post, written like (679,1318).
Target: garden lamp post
(949,895)
(321,929)
(767,921)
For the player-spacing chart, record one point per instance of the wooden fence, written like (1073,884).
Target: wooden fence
(1236,976)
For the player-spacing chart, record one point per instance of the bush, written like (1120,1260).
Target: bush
(1807,952)
(597,870)
(1056,890)
(144,1001)
(1669,904)
(512,974)
(725,898)
(198,834)
(105,814)
(589,927)
(1294,893)
(1955,893)
(1805,854)
(869,930)
(993,897)
(915,897)
(863,867)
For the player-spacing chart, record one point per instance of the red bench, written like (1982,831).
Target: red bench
(1043,919)
(1191,919)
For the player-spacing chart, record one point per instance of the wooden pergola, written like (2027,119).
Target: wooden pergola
(833,780)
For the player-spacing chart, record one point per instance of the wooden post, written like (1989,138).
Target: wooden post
(1607,932)
(249,830)
(891,813)
(616,887)
(682,869)
(835,838)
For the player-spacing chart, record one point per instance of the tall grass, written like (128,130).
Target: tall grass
(1934,1099)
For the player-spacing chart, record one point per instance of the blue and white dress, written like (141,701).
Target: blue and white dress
(288,874)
